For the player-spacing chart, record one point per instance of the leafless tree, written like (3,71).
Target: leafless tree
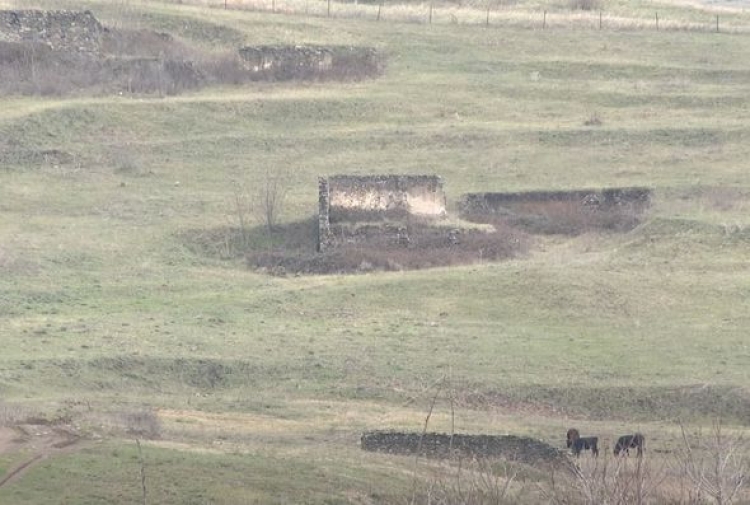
(270,200)
(718,471)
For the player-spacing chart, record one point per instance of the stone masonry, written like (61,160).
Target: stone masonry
(309,61)
(637,199)
(345,199)
(60,30)
(439,445)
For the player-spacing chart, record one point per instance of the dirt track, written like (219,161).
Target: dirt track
(40,442)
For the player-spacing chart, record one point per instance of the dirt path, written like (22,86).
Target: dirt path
(40,441)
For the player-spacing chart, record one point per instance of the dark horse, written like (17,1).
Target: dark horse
(578,443)
(572,436)
(627,442)
(585,444)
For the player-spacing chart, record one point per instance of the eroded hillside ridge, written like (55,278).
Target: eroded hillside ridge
(61,30)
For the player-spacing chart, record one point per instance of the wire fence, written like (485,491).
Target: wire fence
(579,16)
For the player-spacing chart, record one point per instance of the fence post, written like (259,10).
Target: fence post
(430,12)
(487,23)
(329,8)
(273,6)
(225,4)
(717,23)
(544,20)
(380,5)
(600,20)
(657,21)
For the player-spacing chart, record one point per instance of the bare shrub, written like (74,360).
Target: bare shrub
(584,5)
(607,480)
(474,482)
(124,162)
(145,44)
(34,69)
(13,414)
(718,470)
(594,119)
(140,423)
(224,68)
(269,201)
(148,75)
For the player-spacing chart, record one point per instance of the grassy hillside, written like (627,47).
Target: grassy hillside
(263,384)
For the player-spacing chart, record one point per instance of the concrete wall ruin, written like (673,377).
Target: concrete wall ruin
(348,199)
(60,30)
(635,199)
(306,62)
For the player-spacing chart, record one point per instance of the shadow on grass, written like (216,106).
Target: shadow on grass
(382,246)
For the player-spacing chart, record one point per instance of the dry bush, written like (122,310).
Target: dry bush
(475,482)
(716,465)
(584,5)
(34,69)
(145,44)
(143,423)
(12,414)
(594,119)
(224,68)
(608,481)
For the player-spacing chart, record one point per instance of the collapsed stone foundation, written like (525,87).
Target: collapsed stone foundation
(637,199)
(560,212)
(438,445)
(60,30)
(309,62)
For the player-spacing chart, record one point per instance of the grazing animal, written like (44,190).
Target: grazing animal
(586,444)
(572,435)
(627,442)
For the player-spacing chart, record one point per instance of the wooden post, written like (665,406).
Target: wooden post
(329,8)
(600,20)
(273,6)
(487,23)
(430,12)
(225,4)
(544,20)
(380,6)
(717,23)
(657,21)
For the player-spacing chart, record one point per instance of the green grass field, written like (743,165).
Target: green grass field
(264,384)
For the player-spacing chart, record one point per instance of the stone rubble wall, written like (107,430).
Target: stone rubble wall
(346,200)
(635,199)
(439,445)
(308,61)
(61,30)
(373,197)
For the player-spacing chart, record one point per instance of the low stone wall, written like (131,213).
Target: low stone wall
(439,445)
(637,199)
(345,199)
(309,62)
(60,30)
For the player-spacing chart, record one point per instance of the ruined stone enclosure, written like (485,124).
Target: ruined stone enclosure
(60,30)
(439,445)
(347,201)
(36,44)
(311,62)
(560,212)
